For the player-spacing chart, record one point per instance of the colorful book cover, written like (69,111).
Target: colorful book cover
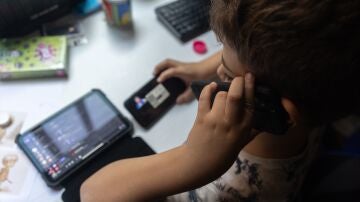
(33,57)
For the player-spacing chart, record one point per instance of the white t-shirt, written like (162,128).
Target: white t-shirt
(252,178)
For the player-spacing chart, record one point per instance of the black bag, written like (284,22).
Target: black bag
(19,17)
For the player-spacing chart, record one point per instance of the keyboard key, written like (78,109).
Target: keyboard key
(184,18)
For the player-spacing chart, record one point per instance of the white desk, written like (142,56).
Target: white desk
(118,63)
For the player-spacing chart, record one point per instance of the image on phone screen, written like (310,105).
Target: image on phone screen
(148,104)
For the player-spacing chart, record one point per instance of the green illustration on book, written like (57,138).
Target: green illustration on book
(33,57)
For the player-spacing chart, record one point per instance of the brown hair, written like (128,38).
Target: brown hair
(307,50)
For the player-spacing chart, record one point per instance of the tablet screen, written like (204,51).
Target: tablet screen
(72,135)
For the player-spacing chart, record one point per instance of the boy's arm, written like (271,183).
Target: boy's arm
(202,70)
(188,72)
(140,179)
(218,135)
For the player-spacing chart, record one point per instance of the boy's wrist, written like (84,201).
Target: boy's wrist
(203,71)
(194,171)
(210,65)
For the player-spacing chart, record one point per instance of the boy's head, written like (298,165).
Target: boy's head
(307,50)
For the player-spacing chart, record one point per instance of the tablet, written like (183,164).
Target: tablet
(63,143)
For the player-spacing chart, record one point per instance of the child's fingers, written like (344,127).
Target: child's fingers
(186,96)
(164,65)
(205,99)
(171,72)
(219,104)
(234,99)
(249,97)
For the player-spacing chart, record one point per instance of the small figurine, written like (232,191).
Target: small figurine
(8,162)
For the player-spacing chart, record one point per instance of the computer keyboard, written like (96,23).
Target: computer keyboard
(186,19)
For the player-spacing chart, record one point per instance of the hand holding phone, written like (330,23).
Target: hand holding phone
(269,114)
(222,129)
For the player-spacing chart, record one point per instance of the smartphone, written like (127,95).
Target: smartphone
(269,114)
(148,104)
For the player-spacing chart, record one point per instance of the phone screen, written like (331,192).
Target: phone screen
(153,100)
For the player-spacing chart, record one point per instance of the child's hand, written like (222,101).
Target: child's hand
(185,71)
(220,132)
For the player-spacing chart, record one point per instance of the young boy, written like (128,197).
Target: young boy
(306,50)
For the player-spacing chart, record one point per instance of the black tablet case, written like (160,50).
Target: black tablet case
(125,148)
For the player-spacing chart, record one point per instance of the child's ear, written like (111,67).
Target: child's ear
(292,110)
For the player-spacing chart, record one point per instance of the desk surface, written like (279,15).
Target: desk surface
(118,62)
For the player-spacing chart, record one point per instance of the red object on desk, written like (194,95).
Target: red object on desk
(199,47)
